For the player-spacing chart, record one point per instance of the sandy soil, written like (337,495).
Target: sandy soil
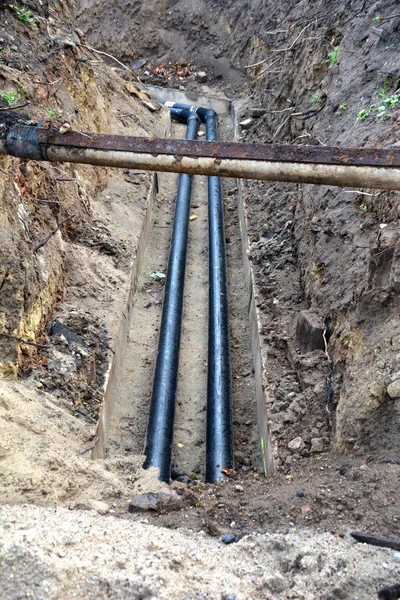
(76,556)
(313,248)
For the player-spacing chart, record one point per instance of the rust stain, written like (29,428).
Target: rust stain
(373,157)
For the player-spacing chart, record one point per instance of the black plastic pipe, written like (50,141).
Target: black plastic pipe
(219,437)
(162,411)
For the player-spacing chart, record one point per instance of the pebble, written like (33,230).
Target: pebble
(300,493)
(201,76)
(143,502)
(101,507)
(228,538)
(317,445)
(393,389)
(296,444)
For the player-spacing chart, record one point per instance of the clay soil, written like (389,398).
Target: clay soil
(327,252)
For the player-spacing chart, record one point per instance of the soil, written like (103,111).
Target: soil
(319,255)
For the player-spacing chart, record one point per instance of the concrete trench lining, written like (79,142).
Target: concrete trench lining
(113,376)
(260,374)
(226,108)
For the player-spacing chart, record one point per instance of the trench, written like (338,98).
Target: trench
(125,412)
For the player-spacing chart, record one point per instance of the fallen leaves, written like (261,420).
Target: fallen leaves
(178,70)
(146,101)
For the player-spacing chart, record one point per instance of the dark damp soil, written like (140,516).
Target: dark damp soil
(321,73)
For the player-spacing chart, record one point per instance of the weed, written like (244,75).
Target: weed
(342,108)
(314,101)
(25,16)
(363,114)
(51,113)
(363,207)
(10,97)
(391,47)
(386,101)
(332,57)
(382,113)
(382,93)
(378,19)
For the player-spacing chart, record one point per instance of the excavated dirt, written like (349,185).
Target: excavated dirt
(318,254)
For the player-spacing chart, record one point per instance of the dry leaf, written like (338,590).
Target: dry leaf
(227,472)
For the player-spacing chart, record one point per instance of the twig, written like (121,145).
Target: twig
(47,82)
(53,232)
(277,112)
(275,32)
(280,127)
(65,179)
(261,63)
(113,58)
(21,341)
(376,540)
(89,448)
(15,107)
(5,172)
(296,38)
(307,114)
(388,18)
(360,192)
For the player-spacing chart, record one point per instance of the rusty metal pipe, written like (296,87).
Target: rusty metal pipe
(353,167)
(385,178)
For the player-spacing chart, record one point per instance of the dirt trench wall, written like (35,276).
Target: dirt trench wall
(56,81)
(345,242)
(320,71)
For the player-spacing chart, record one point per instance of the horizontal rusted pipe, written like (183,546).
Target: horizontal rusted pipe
(383,172)
(339,175)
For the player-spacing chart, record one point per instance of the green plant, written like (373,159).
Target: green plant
(314,101)
(386,101)
(25,16)
(51,113)
(363,114)
(363,207)
(378,19)
(342,108)
(382,93)
(382,113)
(332,57)
(10,97)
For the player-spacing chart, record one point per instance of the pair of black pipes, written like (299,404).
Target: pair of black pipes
(219,438)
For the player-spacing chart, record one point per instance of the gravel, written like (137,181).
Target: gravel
(56,553)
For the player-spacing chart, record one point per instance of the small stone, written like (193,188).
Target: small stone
(300,493)
(246,124)
(275,583)
(228,538)
(393,389)
(177,471)
(317,445)
(39,385)
(296,444)
(101,507)
(239,488)
(201,76)
(395,376)
(256,113)
(340,507)
(144,502)
(310,332)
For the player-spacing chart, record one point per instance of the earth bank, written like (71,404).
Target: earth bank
(319,254)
